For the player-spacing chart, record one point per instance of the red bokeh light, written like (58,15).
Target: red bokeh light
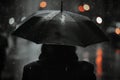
(81,9)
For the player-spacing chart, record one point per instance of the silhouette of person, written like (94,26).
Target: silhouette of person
(58,62)
(3,46)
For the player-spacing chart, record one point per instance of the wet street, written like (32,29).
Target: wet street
(105,60)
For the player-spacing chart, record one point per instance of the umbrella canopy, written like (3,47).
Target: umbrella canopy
(63,28)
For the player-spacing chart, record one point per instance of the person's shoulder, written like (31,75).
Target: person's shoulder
(86,66)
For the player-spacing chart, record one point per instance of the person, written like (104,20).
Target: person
(3,47)
(58,62)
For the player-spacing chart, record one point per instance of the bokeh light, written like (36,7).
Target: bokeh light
(81,9)
(11,20)
(43,4)
(117,31)
(86,7)
(99,20)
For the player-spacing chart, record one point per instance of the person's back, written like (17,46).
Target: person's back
(58,63)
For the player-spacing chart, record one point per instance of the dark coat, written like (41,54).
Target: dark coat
(53,71)
(58,63)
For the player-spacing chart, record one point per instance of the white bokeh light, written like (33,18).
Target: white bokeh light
(11,20)
(86,7)
(99,20)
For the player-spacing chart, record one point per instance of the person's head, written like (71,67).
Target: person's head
(60,51)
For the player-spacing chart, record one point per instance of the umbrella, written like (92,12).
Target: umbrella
(60,27)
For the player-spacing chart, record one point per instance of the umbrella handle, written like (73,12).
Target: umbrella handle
(61,6)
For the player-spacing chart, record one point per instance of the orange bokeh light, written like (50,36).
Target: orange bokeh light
(117,31)
(81,9)
(43,4)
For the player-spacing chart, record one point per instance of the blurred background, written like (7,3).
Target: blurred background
(16,52)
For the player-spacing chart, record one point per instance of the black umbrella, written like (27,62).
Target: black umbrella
(60,27)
